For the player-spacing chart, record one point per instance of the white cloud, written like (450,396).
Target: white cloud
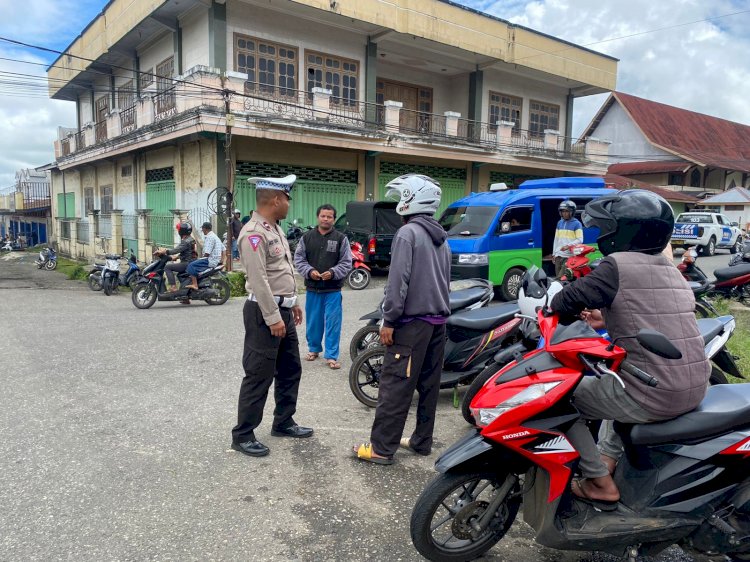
(702,67)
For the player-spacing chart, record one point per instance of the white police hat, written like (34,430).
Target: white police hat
(284,184)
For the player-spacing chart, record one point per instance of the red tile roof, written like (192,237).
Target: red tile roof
(649,167)
(696,137)
(620,182)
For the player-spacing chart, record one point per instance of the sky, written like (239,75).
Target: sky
(699,66)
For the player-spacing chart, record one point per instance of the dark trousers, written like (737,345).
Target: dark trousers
(413,362)
(171,267)
(267,359)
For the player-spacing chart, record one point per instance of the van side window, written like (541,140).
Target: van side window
(515,219)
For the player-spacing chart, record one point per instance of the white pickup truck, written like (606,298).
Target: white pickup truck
(706,230)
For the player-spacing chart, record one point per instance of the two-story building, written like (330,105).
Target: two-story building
(25,208)
(346,95)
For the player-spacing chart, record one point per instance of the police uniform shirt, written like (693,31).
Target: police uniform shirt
(267,261)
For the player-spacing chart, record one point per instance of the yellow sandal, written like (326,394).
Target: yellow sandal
(365,452)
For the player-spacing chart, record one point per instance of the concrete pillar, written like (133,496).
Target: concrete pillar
(550,139)
(93,217)
(597,150)
(371,81)
(371,178)
(116,230)
(476,90)
(114,128)
(142,229)
(321,103)
(73,248)
(89,134)
(451,123)
(217,35)
(505,133)
(393,115)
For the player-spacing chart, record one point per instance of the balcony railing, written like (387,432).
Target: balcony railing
(165,104)
(127,120)
(82,232)
(320,110)
(80,140)
(100,131)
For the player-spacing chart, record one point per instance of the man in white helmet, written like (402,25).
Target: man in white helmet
(415,311)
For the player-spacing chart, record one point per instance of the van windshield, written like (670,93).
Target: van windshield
(467,221)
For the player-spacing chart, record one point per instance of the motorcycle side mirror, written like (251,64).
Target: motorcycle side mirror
(653,341)
(504,227)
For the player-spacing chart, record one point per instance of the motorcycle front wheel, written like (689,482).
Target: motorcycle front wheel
(144,296)
(358,279)
(39,264)
(50,265)
(109,285)
(221,285)
(364,376)
(364,339)
(445,517)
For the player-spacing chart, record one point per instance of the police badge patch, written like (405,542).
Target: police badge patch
(254,242)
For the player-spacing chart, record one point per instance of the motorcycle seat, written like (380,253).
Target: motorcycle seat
(465,297)
(726,273)
(725,407)
(709,328)
(484,319)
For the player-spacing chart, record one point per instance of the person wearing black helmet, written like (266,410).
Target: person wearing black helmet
(636,286)
(568,233)
(185,251)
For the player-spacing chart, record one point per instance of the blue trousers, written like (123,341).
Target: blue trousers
(323,312)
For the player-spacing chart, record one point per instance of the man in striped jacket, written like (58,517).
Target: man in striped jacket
(569,233)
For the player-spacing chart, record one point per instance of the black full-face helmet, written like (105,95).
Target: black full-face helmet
(634,220)
(184,229)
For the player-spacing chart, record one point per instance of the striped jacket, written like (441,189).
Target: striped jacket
(568,233)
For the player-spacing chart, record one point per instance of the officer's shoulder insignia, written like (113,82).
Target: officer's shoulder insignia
(254,240)
(266,226)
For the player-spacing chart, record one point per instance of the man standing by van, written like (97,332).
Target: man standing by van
(569,233)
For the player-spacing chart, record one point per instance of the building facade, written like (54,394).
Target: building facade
(179,102)
(25,208)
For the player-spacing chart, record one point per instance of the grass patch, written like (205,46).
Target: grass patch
(237,283)
(72,269)
(739,343)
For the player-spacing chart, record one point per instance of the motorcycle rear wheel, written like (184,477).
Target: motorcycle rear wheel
(95,282)
(144,296)
(50,265)
(364,376)
(358,279)
(449,505)
(221,285)
(364,339)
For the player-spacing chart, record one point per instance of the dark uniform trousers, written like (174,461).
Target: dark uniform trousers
(413,362)
(267,359)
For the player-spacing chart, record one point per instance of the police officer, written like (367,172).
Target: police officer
(271,352)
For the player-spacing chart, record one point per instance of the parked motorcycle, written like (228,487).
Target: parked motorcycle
(47,259)
(213,286)
(110,273)
(128,279)
(466,294)
(681,481)
(10,245)
(473,337)
(732,282)
(741,257)
(359,276)
(294,233)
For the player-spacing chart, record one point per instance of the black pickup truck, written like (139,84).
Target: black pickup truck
(373,224)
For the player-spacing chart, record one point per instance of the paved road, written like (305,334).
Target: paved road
(114,441)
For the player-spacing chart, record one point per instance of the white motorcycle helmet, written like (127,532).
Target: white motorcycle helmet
(416,194)
(532,295)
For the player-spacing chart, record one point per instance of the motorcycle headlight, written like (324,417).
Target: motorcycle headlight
(485,416)
(472,259)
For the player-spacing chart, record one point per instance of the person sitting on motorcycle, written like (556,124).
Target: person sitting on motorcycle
(185,251)
(213,253)
(636,286)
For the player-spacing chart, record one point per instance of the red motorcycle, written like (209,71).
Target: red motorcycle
(682,481)
(578,265)
(359,276)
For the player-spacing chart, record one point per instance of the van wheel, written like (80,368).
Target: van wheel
(512,283)
(710,248)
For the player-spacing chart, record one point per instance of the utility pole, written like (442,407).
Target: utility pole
(230,173)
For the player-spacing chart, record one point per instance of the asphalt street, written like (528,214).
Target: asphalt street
(115,432)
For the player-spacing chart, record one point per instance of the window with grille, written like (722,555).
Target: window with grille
(339,75)
(88,200)
(425,100)
(126,171)
(734,207)
(505,108)
(271,68)
(126,95)
(164,73)
(106,199)
(146,78)
(543,116)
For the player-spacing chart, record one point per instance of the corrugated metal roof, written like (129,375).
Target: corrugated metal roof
(648,167)
(620,182)
(736,195)
(699,138)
